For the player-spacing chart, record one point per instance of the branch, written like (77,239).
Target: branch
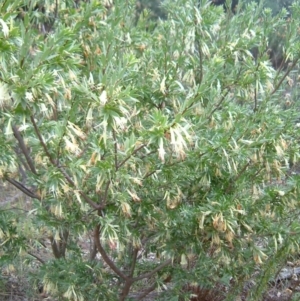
(59,249)
(147,291)
(55,11)
(150,153)
(285,75)
(68,178)
(22,188)
(149,174)
(22,166)
(91,202)
(63,242)
(200,61)
(106,192)
(126,289)
(55,248)
(37,257)
(42,141)
(229,187)
(105,257)
(151,288)
(217,106)
(255,98)
(60,143)
(115,148)
(93,251)
(226,93)
(255,88)
(134,255)
(24,149)
(133,153)
(149,274)
(86,198)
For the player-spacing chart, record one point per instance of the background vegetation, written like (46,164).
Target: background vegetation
(158,154)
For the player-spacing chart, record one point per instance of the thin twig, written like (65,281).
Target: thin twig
(217,106)
(149,174)
(150,153)
(115,149)
(229,187)
(200,61)
(150,274)
(285,75)
(132,154)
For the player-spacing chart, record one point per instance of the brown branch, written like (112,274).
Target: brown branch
(67,177)
(55,12)
(134,255)
(126,289)
(150,274)
(41,140)
(115,149)
(200,61)
(65,174)
(24,149)
(285,75)
(93,251)
(152,288)
(55,248)
(105,257)
(147,291)
(149,174)
(228,189)
(63,242)
(226,93)
(23,166)
(255,88)
(217,106)
(22,188)
(132,154)
(86,198)
(150,153)
(106,192)
(255,99)
(59,145)
(36,257)
(59,249)
(91,202)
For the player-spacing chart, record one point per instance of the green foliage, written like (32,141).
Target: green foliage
(153,7)
(173,141)
(276,5)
